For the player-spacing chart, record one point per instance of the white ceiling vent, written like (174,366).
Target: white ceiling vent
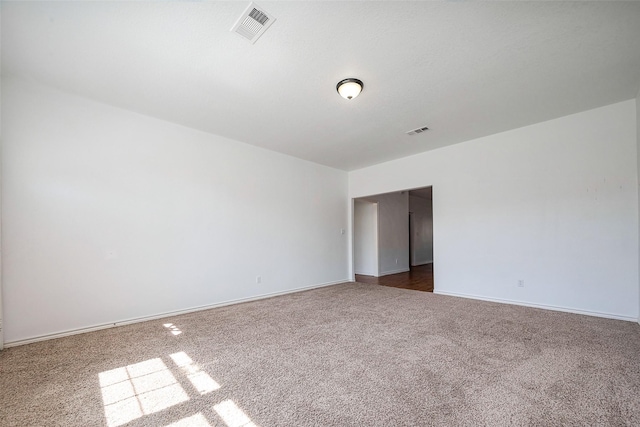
(416,131)
(253,22)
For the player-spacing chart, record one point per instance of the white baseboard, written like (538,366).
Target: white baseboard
(163,315)
(386,273)
(542,306)
(372,274)
(422,263)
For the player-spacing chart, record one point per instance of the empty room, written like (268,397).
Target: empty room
(203,204)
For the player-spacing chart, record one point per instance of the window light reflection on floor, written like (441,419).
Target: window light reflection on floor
(139,389)
(232,415)
(173,328)
(144,388)
(197,420)
(200,380)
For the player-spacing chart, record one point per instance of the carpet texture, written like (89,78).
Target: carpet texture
(345,355)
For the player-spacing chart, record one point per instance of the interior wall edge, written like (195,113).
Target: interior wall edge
(637,105)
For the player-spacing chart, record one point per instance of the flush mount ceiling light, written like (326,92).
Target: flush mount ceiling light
(349,88)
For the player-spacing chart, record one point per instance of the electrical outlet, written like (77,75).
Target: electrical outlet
(521,283)
(396,261)
(258,279)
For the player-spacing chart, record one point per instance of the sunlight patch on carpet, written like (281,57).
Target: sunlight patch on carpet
(197,420)
(232,415)
(200,380)
(173,328)
(139,389)
(148,387)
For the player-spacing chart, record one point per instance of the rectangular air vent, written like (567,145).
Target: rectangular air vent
(416,131)
(253,22)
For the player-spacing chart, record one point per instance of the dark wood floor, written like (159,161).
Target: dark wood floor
(420,278)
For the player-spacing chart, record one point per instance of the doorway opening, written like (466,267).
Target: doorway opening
(402,252)
(365,238)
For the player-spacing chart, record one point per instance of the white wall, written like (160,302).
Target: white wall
(1,304)
(638,164)
(110,215)
(554,204)
(365,238)
(421,230)
(393,232)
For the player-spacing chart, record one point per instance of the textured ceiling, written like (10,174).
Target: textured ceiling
(465,70)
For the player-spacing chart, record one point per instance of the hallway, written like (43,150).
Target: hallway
(419,278)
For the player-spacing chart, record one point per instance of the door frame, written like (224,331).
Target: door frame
(376,236)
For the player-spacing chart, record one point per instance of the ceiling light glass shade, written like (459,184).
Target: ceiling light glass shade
(349,88)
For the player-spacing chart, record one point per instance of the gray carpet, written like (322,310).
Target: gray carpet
(345,355)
